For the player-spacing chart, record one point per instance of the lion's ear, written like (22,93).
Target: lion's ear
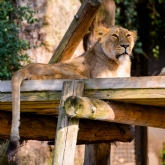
(134,34)
(100,32)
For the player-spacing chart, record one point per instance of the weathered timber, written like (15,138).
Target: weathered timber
(150,82)
(77,29)
(43,128)
(141,145)
(139,90)
(97,154)
(83,107)
(35,107)
(153,97)
(67,127)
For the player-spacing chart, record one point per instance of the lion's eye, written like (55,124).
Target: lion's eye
(100,33)
(114,35)
(128,35)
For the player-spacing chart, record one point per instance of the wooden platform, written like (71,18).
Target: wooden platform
(42,96)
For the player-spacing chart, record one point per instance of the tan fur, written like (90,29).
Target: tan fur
(110,57)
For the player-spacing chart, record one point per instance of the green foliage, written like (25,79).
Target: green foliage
(127,16)
(163,155)
(157,30)
(11,47)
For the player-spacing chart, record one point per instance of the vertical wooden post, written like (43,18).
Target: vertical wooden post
(141,145)
(97,154)
(67,127)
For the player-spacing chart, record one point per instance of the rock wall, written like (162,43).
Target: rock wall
(54,18)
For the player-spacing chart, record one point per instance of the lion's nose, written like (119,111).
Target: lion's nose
(124,46)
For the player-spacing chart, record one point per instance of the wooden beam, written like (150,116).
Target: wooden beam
(141,145)
(43,128)
(153,82)
(83,107)
(67,127)
(76,31)
(97,154)
(138,90)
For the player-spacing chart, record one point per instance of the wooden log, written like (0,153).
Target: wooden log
(76,30)
(83,107)
(43,128)
(67,127)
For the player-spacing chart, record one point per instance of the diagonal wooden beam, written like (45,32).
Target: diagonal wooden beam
(76,31)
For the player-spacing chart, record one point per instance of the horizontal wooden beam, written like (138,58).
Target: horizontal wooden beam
(76,31)
(150,82)
(138,90)
(83,107)
(40,127)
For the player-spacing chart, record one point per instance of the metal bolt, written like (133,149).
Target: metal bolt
(76,16)
(93,109)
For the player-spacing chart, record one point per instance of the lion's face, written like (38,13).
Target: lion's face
(117,42)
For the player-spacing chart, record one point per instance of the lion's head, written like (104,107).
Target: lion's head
(117,42)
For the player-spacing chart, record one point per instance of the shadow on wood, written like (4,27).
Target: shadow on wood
(40,127)
(83,107)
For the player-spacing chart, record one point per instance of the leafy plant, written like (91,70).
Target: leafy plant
(163,155)
(11,47)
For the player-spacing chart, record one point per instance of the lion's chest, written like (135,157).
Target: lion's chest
(100,70)
(124,69)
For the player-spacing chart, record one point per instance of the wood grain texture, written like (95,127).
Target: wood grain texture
(97,154)
(47,93)
(76,30)
(83,107)
(150,82)
(43,128)
(67,127)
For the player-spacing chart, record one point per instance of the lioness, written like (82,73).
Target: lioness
(109,57)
